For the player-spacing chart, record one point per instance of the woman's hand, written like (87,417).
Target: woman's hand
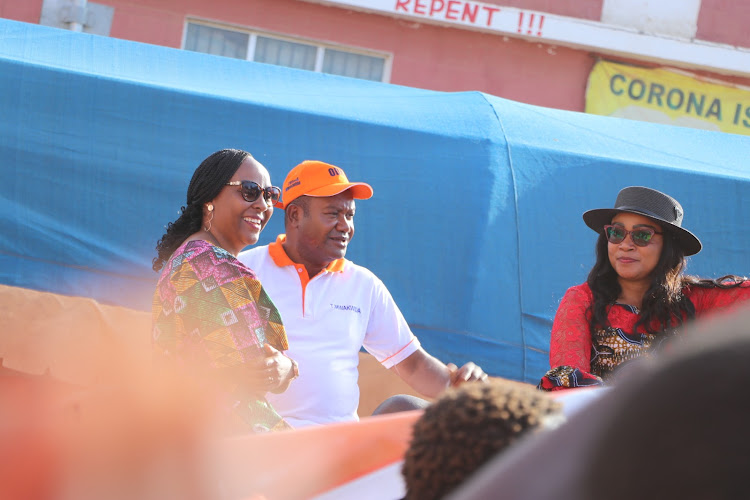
(275,371)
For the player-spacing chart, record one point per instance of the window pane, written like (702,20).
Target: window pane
(355,65)
(216,41)
(283,53)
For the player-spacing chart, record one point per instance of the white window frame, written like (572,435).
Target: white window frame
(320,45)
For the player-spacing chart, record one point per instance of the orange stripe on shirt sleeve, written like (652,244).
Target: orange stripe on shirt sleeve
(397,352)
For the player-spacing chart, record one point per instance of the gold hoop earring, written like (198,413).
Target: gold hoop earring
(210,209)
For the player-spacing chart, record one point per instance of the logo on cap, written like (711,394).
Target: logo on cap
(292,183)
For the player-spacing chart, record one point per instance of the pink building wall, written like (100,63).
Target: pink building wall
(27,11)
(724,21)
(424,55)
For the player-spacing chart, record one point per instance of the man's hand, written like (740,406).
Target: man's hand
(467,373)
(430,377)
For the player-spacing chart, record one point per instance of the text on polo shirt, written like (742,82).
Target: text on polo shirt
(346,308)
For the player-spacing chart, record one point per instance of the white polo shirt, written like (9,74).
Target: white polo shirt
(328,318)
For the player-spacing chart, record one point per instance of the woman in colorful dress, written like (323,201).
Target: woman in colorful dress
(636,295)
(209,309)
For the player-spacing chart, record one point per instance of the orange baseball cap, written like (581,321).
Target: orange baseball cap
(315,178)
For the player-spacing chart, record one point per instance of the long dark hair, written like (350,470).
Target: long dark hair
(664,300)
(207,181)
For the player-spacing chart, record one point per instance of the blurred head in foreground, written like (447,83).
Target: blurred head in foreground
(687,416)
(466,427)
(672,426)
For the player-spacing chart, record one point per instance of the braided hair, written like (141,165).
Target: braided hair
(465,428)
(207,182)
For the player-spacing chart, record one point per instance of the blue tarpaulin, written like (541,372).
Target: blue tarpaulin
(475,226)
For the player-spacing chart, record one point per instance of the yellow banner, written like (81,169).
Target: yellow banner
(663,96)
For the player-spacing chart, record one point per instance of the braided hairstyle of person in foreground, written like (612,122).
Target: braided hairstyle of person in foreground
(465,428)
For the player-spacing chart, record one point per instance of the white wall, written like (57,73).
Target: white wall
(678,18)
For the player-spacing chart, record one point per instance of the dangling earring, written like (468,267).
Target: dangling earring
(210,209)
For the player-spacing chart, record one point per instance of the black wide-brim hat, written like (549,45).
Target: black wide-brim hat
(660,207)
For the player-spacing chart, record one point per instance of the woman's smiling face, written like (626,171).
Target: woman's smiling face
(236,222)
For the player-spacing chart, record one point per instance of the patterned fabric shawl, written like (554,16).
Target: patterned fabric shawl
(210,308)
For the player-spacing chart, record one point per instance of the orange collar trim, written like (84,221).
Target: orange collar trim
(281,259)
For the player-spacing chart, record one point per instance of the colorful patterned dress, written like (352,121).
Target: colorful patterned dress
(210,308)
(580,359)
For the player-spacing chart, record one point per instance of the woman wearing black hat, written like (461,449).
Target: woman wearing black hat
(636,295)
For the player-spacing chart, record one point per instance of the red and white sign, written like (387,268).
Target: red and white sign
(476,14)
(561,30)
(464,11)
(467,13)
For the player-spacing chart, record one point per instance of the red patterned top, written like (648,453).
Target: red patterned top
(577,358)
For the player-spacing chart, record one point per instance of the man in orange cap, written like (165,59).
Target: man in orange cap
(332,307)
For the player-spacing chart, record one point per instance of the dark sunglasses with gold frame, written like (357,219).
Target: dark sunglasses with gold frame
(251,191)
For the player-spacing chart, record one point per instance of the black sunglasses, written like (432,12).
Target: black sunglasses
(641,236)
(251,190)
